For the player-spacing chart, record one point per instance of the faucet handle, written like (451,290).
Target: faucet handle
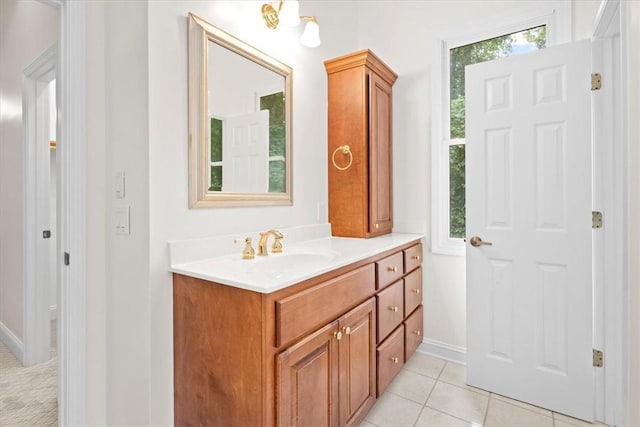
(277,244)
(247,252)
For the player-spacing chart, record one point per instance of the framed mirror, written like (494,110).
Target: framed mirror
(240,119)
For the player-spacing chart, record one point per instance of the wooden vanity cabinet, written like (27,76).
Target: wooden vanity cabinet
(360,117)
(329,377)
(309,354)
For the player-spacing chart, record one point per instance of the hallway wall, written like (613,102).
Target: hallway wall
(27,29)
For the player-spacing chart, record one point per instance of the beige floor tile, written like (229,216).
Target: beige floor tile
(432,418)
(522,404)
(459,402)
(456,374)
(392,410)
(425,365)
(412,386)
(366,424)
(560,418)
(504,414)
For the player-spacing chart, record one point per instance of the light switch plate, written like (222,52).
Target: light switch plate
(120,185)
(122,220)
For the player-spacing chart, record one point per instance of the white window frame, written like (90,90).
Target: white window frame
(557,18)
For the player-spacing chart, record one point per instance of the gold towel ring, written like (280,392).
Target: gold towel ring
(345,150)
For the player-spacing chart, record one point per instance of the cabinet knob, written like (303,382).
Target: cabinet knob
(392,269)
(338,335)
(346,330)
(415,291)
(393,308)
(417,333)
(394,359)
(377,226)
(416,257)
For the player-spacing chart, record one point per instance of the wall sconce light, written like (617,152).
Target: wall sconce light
(288,15)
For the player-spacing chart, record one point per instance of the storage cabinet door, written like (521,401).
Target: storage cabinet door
(307,380)
(357,363)
(380,185)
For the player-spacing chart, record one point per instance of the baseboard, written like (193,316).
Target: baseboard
(53,312)
(12,342)
(444,351)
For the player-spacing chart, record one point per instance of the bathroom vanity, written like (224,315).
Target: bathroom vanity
(308,337)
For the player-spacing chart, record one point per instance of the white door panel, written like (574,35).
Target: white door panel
(528,192)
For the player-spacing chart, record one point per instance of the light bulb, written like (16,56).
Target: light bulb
(311,35)
(290,14)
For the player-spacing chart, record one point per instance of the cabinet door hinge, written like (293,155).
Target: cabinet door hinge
(598,357)
(66,258)
(596,219)
(596,81)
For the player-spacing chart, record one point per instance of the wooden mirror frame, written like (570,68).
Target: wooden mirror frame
(200,33)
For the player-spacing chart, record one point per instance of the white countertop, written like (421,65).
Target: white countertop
(300,260)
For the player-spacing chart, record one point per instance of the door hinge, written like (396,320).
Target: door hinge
(46,234)
(66,258)
(596,81)
(598,357)
(596,219)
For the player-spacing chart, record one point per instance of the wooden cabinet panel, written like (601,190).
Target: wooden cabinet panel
(412,290)
(390,309)
(390,358)
(360,117)
(307,381)
(357,363)
(413,332)
(307,310)
(412,257)
(388,270)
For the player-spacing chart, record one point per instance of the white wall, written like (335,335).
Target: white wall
(27,29)
(417,27)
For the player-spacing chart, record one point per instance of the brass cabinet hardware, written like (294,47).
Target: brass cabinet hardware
(338,335)
(392,269)
(394,359)
(346,151)
(415,291)
(416,257)
(393,308)
(418,333)
(346,330)
(477,241)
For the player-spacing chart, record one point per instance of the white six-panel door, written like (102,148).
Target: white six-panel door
(528,193)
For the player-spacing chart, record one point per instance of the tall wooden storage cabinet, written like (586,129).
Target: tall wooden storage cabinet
(360,145)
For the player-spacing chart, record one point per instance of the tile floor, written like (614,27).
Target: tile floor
(432,392)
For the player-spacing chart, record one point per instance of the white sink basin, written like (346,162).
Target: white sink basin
(291,263)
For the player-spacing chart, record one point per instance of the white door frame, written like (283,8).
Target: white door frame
(36,251)
(71,211)
(611,315)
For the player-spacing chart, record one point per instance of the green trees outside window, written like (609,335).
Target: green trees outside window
(216,155)
(459,57)
(277,176)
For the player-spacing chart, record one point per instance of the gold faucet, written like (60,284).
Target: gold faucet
(262,243)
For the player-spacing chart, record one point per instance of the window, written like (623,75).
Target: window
(449,219)
(216,155)
(277,175)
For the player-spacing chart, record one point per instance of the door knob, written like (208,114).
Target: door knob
(477,241)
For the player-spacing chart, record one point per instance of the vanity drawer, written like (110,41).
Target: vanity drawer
(412,257)
(413,332)
(389,270)
(390,359)
(412,290)
(307,310)
(390,309)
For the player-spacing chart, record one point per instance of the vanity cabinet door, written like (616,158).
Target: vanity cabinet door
(357,363)
(390,358)
(307,380)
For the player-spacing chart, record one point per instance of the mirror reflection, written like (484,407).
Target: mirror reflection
(239,122)
(247,121)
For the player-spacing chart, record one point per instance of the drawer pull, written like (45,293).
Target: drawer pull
(392,269)
(417,333)
(393,308)
(338,335)
(346,330)
(394,359)
(416,257)
(415,291)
